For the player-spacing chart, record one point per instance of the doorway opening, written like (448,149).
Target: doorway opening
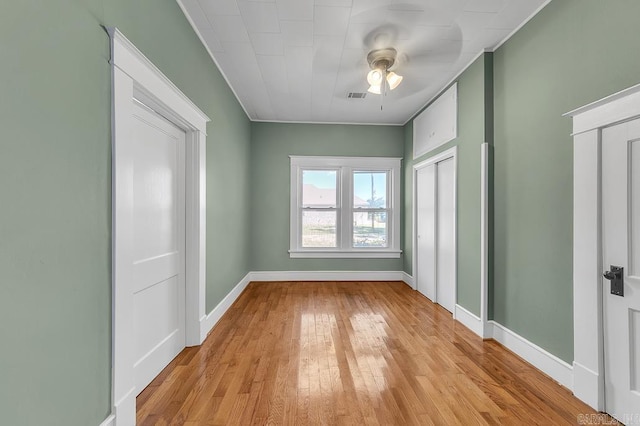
(137,81)
(595,168)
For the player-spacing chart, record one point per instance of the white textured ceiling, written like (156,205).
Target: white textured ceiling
(297,60)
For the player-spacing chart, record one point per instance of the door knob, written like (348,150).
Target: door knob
(615,275)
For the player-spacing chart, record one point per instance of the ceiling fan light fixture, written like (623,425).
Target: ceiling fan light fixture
(375,89)
(380,61)
(394,80)
(375,76)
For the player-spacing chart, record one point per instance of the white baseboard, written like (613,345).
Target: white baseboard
(207,323)
(124,411)
(408,279)
(586,386)
(327,276)
(548,363)
(469,320)
(109,421)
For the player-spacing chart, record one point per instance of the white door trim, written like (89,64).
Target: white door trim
(444,155)
(588,121)
(134,76)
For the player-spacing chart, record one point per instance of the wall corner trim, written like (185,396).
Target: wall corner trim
(544,361)
(586,386)
(208,322)
(408,279)
(124,410)
(469,320)
(484,237)
(109,421)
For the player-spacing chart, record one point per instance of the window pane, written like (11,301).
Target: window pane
(370,229)
(319,228)
(370,189)
(319,188)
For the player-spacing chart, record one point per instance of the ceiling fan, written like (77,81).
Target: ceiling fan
(395,53)
(392,51)
(381,77)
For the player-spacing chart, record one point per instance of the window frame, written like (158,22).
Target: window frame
(337,208)
(345,166)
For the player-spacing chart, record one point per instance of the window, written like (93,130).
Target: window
(345,207)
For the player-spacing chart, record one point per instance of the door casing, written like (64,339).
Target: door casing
(135,77)
(588,121)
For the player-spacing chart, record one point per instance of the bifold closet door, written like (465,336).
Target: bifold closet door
(435,228)
(445,235)
(426,231)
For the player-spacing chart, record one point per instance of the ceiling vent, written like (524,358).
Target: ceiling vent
(357,95)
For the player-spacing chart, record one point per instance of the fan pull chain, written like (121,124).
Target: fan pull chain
(384,88)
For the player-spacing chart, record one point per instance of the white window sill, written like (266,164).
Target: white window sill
(350,254)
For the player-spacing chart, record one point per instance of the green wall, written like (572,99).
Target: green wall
(271,145)
(55,181)
(160,30)
(572,53)
(471,134)
(55,192)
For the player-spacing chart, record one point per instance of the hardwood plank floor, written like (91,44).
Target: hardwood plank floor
(347,353)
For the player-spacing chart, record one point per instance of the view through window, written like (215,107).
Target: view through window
(343,205)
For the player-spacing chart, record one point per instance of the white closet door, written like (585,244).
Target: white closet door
(157,255)
(445,235)
(426,231)
(435,232)
(621,249)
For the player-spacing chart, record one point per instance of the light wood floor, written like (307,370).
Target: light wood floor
(349,353)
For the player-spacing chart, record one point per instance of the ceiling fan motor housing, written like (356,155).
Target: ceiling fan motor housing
(382,58)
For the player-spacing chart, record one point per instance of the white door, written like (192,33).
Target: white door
(621,247)
(157,255)
(426,231)
(445,237)
(435,232)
